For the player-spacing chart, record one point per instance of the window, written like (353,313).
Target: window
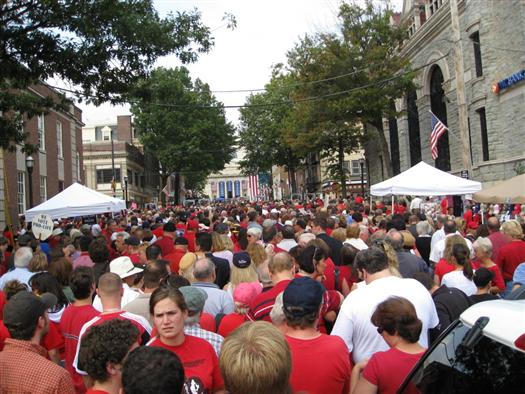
(60,148)
(60,186)
(43,188)
(484,133)
(106,175)
(78,166)
(41,133)
(137,182)
(130,177)
(413,128)
(394,145)
(21,188)
(356,167)
(434,5)
(477,53)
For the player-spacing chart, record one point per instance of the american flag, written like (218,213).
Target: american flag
(438,129)
(254,187)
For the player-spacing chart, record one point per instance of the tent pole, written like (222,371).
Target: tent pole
(392,204)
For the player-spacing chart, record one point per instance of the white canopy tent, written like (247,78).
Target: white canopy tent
(76,200)
(425,180)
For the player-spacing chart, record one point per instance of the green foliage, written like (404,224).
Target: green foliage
(182,124)
(102,46)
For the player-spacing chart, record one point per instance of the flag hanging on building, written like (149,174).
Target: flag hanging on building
(438,129)
(253,181)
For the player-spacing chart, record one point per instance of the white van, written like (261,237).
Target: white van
(482,352)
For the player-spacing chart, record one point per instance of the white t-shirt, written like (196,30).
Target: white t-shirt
(436,237)
(415,203)
(353,324)
(459,281)
(437,251)
(128,296)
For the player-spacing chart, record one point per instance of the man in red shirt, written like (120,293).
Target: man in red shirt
(181,248)
(110,292)
(132,249)
(167,240)
(103,350)
(24,366)
(281,269)
(320,363)
(82,284)
(190,234)
(496,236)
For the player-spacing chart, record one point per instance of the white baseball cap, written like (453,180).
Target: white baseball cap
(124,267)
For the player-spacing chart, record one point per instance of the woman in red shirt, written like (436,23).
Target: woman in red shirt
(201,365)
(512,254)
(396,321)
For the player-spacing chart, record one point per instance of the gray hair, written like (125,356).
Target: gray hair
(395,238)
(423,228)
(277,313)
(203,269)
(254,232)
(23,256)
(483,244)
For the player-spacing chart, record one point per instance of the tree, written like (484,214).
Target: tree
(349,80)
(182,123)
(262,129)
(102,47)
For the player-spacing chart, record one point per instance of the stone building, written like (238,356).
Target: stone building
(57,162)
(132,165)
(493,47)
(230,182)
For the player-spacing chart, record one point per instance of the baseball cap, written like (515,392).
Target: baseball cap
(302,296)
(241,260)
(24,308)
(181,241)
(195,298)
(482,277)
(124,267)
(74,234)
(245,292)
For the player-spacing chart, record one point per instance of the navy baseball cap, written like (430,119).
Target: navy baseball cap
(303,296)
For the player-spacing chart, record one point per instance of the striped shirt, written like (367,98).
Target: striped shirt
(262,305)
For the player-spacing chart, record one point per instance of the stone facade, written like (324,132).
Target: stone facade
(498,26)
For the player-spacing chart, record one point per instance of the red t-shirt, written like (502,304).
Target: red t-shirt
(166,245)
(158,232)
(73,318)
(262,305)
(2,303)
(443,267)
(345,272)
(387,370)
(201,365)
(207,322)
(92,391)
(498,278)
(320,365)
(174,259)
(190,236)
(509,257)
(229,323)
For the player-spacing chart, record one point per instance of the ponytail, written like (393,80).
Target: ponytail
(462,253)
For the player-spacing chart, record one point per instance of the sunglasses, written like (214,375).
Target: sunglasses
(380,330)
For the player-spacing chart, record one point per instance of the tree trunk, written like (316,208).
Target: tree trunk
(176,194)
(340,165)
(292,179)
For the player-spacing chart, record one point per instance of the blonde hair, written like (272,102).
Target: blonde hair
(256,359)
(450,241)
(187,265)
(243,275)
(227,242)
(257,254)
(217,242)
(38,262)
(461,224)
(339,234)
(352,231)
(513,229)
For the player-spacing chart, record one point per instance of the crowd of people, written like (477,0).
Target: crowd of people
(267,297)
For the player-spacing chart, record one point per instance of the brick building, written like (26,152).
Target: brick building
(492,37)
(131,162)
(57,160)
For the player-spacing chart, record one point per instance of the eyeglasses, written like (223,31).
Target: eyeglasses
(380,330)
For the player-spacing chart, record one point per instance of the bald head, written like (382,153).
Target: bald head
(395,238)
(204,270)
(280,262)
(493,224)
(109,285)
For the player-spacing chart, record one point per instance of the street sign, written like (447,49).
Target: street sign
(464,174)
(42,226)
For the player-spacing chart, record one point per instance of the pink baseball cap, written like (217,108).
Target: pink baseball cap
(244,293)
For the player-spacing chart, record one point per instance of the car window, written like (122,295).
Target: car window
(487,367)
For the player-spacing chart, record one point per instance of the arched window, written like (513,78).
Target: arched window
(439,108)
(413,128)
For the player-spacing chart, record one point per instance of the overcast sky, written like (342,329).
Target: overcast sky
(241,59)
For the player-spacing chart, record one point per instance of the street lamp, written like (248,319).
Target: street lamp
(126,190)
(30,163)
(361,164)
